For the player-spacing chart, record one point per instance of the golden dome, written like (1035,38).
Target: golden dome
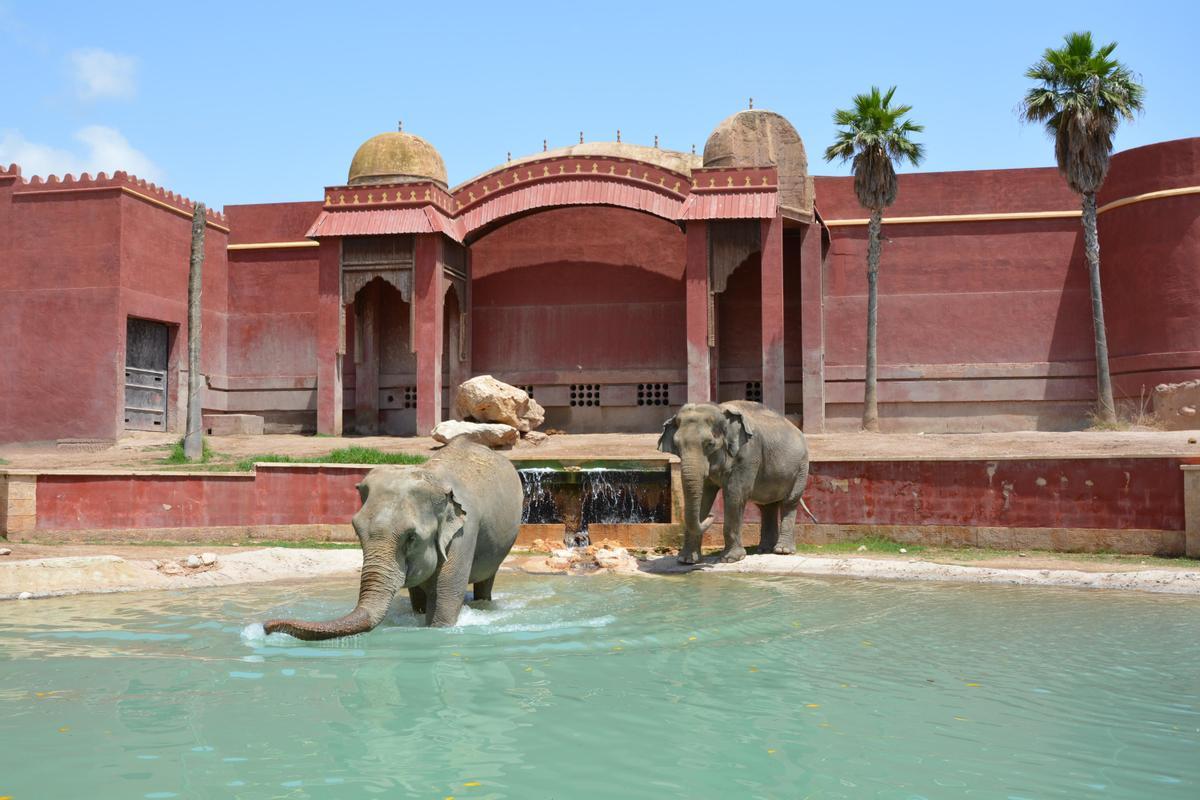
(396,157)
(760,138)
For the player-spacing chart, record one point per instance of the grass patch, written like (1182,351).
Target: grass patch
(346,455)
(873,544)
(176,455)
(3,461)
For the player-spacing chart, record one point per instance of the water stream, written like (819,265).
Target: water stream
(580,497)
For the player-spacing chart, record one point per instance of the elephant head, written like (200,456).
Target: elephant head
(707,439)
(407,521)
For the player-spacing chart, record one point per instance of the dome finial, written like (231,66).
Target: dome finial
(543,145)
(400,125)
(618,135)
(751,103)
(656,141)
(581,137)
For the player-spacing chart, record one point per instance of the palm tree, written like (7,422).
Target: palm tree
(874,134)
(1081,94)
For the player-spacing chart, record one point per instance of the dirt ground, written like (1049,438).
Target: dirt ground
(147,450)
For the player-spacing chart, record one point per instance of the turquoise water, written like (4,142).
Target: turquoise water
(701,686)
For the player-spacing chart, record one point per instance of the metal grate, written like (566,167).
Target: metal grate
(410,397)
(585,394)
(653,394)
(754,391)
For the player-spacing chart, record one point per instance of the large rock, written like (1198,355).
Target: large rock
(1177,405)
(492,434)
(485,399)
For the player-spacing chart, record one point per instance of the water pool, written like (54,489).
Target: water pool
(701,686)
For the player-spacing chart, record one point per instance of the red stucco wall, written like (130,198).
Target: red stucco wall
(575,290)
(78,258)
(1150,266)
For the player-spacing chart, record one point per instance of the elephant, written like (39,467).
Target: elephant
(751,454)
(432,529)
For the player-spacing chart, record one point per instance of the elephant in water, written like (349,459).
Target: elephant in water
(432,529)
(751,454)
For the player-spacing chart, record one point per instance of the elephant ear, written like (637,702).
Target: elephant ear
(738,431)
(451,523)
(666,442)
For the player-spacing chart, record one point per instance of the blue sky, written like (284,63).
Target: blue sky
(266,101)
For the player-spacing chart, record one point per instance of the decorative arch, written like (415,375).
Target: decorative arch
(568,181)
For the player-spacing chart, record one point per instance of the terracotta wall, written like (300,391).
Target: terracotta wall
(272,295)
(982,325)
(1150,266)
(78,258)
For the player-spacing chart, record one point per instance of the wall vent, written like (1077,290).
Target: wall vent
(585,394)
(410,397)
(754,391)
(653,394)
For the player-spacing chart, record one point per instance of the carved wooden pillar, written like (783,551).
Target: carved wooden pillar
(698,297)
(812,323)
(428,310)
(772,314)
(366,360)
(330,346)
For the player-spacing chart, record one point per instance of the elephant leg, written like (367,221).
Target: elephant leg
(769,529)
(416,596)
(787,524)
(483,588)
(735,504)
(690,553)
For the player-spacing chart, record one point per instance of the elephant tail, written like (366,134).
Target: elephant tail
(806,511)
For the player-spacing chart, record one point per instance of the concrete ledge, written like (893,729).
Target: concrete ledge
(233,425)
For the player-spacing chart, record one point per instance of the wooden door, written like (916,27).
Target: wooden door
(146,347)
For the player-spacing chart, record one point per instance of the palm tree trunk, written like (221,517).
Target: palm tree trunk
(1106,410)
(870,421)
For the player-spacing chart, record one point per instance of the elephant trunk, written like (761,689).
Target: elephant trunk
(376,589)
(693,472)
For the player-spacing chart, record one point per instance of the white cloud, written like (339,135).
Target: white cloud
(104,150)
(101,75)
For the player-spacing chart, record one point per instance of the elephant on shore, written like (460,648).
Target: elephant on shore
(750,454)
(432,529)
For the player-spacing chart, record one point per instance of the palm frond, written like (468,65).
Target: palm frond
(872,134)
(1080,94)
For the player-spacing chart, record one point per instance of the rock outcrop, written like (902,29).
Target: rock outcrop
(485,399)
(1177,405)
(491,434)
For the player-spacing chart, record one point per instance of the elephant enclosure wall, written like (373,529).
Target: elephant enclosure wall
(583,297)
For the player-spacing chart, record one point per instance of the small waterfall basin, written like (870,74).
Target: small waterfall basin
(696,686)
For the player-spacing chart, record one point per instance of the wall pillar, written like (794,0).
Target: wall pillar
(429,302)
(699,360)
(812,329)
(18,502)
(1191,510)
(772,314)
(366,360)
(330,334)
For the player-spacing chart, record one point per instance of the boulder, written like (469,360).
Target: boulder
(1177,405)
(485,399)
(491,434)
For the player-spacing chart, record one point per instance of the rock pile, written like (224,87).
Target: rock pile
(493,413)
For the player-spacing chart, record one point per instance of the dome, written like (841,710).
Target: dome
(396,157)
(759,138)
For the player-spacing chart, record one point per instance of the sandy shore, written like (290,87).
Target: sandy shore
(98,572)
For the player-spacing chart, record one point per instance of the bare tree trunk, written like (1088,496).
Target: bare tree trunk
(1106,410)
(870,421)
(193,440)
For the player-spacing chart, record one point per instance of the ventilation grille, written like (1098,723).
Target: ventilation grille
(585,394)
(754,391)
(653,394)
(527,390)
